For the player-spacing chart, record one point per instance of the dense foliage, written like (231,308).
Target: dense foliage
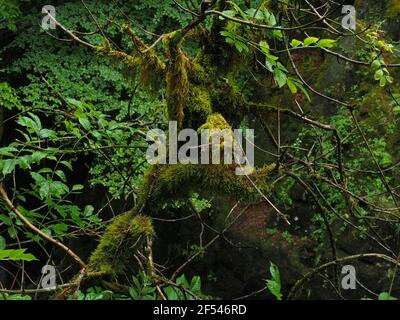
(77,192)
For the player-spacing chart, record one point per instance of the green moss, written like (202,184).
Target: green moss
(122,239)
(177,78)
(224,131)
(278,6)
(170,182)
(199,104)
(151,67)
(375,105)
(215,121)
(204,68)
(227,100)
(198,74)
(227,96)
(196,88)
(265,170)
(393,8)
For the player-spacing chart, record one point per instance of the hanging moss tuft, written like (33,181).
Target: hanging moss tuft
(152,69)
(177,78)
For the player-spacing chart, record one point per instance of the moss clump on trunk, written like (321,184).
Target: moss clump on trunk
(123,238)
(169,182)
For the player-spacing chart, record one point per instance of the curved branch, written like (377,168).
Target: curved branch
(38,231)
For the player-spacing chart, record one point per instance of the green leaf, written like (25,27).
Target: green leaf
(171,293)
(61,175)
(270,18)
(38,156)
(85,123)
(46,133)
(182,281)
(378,74)
(295,43)
(273,269)
(7,151)
(292,86)
(237,8)
(310,40)
(33,122)
(134,294)
(24,162)
(8,166)
(58,189)
(195,285)
(274,284)
(74,103)
(38,177)
(17,297)
(277,34)
(304,90)
(77,187)
(44,190)
(227,34)
(386,296)
(6,220)
(238,46)
(45,170)
(269,65)
(67,164)
(270,62)
(8,97)
(255,14)
(88,210)
(2,243)
(264,46)
(326,43)
(60,228)
(280,77)
(271,57)
(12,232)
(281,67)
(229,13)
(376,64)
(16,255)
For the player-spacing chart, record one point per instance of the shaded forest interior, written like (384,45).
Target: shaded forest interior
(85,213)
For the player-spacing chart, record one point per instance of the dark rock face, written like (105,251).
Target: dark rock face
(239,262)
